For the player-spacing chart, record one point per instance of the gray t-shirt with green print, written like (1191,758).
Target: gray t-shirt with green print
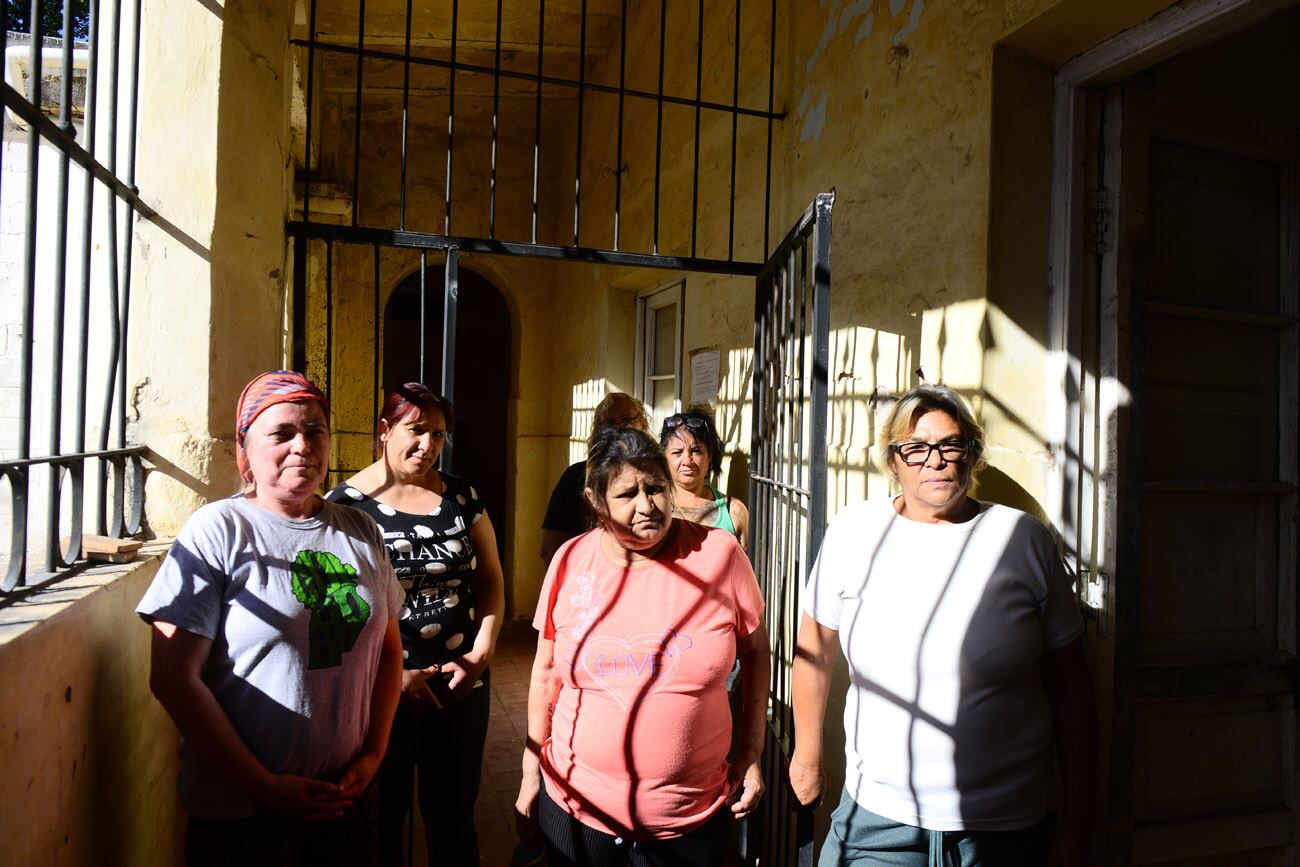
(296,611)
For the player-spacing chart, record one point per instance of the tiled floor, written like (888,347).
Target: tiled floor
(507,727)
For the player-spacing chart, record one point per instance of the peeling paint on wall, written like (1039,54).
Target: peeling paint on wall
(865,30)
(839,20)
(828,33)
(913,21)
(814,121)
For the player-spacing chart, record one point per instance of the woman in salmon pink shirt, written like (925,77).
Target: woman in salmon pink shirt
(640,621)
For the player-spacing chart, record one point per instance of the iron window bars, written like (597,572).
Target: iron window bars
(400,236)
(114,455)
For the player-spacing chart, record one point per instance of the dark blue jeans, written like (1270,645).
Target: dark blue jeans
(860,837)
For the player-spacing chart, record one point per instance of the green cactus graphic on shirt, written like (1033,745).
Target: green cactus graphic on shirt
(328,588)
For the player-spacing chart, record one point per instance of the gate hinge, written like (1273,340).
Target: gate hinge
(1101,221)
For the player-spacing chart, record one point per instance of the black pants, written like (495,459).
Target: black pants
(441,752)
(569,843)
(268,840)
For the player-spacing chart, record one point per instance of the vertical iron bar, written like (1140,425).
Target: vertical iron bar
(54,551)
(537,110)
(695,173)
(356,112)
(821,326)
(735,104)
(771,90)
(496,125)
(451,115)
(87,230)
(298,360)
(130,226)
(329,318)
(311,69)
(582,93)
(374,342)
(618,169)
(423,267)
(114,323)
(450,300)
(29,258)
(406,121)
(659,120)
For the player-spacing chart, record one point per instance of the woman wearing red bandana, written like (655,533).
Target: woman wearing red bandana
(276,650)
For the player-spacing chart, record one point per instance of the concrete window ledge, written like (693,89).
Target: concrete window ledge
(89,756)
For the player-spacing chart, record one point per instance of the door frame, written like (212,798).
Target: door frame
(1085,428)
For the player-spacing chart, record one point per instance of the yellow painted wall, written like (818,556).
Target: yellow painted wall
(89,756)
(208,302)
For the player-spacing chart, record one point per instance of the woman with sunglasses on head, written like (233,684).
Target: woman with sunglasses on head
(628,725)
(694,450)
(965,649)
(443,548)
(276,650)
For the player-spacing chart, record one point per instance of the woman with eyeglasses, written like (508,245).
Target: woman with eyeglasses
(442,546)
(967,671)
(628,724)
(694,451)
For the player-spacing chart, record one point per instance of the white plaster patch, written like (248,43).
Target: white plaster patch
(828,33)
(865,30)
(913,21)
(853,10)
(814,121)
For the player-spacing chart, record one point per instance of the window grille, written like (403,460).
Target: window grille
(71,104)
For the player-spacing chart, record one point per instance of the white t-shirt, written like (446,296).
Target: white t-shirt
(296,611)
(947,726)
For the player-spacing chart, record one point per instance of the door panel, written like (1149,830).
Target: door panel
(1204,280)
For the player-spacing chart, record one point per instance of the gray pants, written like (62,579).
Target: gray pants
(860,837)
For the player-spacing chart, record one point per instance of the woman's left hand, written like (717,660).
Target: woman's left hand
(358,775)
(465,672)
(746,786)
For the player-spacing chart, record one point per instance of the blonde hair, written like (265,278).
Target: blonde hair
(902,420)
(607,407)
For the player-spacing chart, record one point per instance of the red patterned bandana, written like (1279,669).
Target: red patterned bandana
(268,389)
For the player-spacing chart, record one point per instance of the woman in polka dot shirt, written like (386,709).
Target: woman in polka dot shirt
(442,546)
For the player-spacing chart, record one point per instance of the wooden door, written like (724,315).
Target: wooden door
(1202,741)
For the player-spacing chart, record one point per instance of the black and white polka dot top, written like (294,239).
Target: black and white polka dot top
(434,560)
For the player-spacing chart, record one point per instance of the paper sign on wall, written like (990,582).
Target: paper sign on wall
(704,376)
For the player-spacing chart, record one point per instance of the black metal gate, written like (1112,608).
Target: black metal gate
(787,491)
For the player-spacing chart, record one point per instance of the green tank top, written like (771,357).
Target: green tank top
(724,521)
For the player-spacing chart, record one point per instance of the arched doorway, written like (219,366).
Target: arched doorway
(483,362)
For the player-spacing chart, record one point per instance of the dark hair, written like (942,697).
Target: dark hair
(614,448)
(408,398)
(698,424)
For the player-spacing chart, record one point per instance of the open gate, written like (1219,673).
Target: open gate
(787,492)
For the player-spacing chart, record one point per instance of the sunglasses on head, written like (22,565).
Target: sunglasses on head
(692,423)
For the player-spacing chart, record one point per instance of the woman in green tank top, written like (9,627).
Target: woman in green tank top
(694,452)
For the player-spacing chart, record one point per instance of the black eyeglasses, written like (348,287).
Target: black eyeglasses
(915,454)
(693,423)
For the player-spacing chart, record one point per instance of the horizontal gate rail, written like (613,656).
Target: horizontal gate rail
(424,241)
